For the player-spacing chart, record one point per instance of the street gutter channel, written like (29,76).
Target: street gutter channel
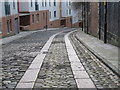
(91,59)
(103,60)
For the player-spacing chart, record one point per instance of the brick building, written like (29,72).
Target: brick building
(36,14)
(9,18)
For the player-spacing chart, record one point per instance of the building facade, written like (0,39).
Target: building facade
(39,14)
(31,17)
(36,14)
(102,20)
(9,18)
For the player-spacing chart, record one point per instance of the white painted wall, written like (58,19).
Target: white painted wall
(65,8)
(53,8)
(12,9)
(50,6)
(76,15)
(25,5)
(43,2)
(1,11)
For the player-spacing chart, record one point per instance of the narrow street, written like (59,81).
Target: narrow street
(56,70)
(59,45)
(18,55)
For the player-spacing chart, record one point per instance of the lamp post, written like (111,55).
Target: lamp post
(82,15)
(87,16)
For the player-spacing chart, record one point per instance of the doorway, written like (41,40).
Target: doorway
(16,26)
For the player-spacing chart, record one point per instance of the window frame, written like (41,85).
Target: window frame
(33,19)
(37,17)
(14,4)
(55,14)
(31,3)
(54,3)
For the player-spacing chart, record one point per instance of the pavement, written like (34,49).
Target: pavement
(105,52)
(21,34)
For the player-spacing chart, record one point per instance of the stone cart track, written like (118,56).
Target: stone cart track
(18,55)
(101,75)
(56,70)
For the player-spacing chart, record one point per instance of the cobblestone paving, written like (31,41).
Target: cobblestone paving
(56,70)
(18,55)
(101,75)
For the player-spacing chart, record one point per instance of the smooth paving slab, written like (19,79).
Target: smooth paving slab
(81,76)
(77,67)
(29,76)
(25,85)
(107,52)
(85,83)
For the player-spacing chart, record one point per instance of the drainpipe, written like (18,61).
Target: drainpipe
(99,20)
(82,16)
(87,16)
(105,25)
(46,21)
(18,3)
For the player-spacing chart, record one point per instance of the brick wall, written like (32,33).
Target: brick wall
(93,19)
(37,20)
(9,19)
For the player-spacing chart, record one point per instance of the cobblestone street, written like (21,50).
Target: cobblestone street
(56,70)
(59,45)
(101,75)
(18,55)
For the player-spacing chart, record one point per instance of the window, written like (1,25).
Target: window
(32,18)
(69,3)
(36,5)
(9,26)
(54,13)
(49,2)
(37,17)
(54,2)
(31,3)
(66,12)
(43,15)
(50,15)
(42,3)
(7,7)
(45,3)
(69,11)
(14,4)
